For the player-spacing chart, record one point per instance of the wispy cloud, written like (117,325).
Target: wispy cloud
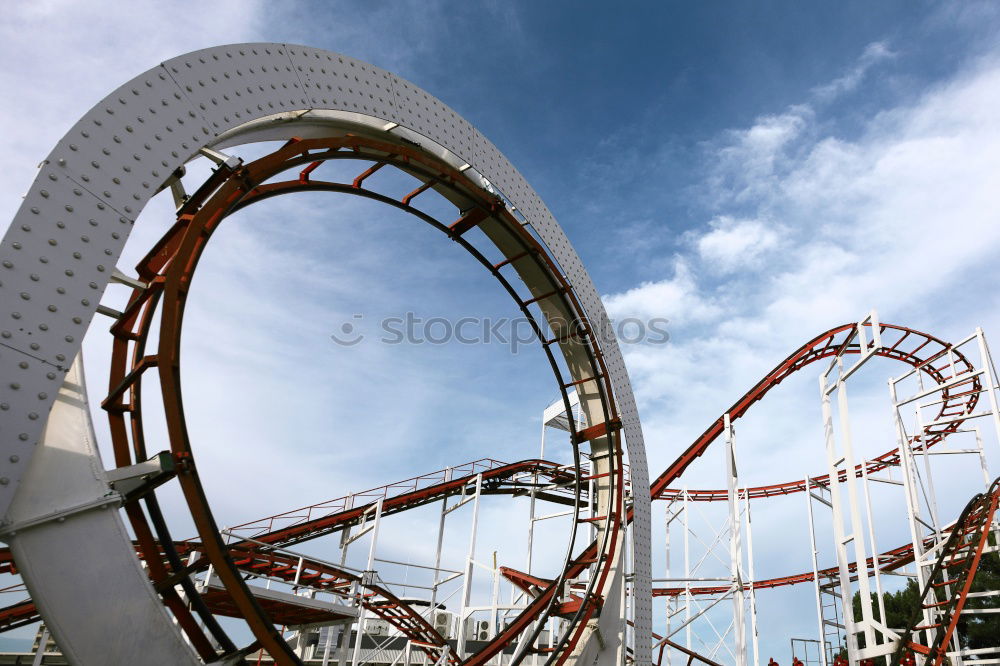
(808,230)
(874,53)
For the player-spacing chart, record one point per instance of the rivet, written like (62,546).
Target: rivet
(43,395)
(17,246)
(23,437)
(85,302)
(60,357)
(69,273)
(69,208)
(93,285)
(52,176)
(25,295)
(44,260)
(3,482)
(52,241)
(15,458)
(77,255)
(4,406)
(6,334)
(43,327)
(68,338)
(25,227)
(60,290)
(52,375)
(34,210)
(34,346)
(44,193)
(77,320)
(33,416)
(85,239)
(15,315)
(61,224)
(23,365)
(7,264)
(34,277)
(52,308)
(15,385)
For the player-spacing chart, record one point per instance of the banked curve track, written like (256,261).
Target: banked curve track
(254,555)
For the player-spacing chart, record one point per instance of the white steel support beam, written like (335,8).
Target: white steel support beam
(469,566)
(369,574)
(813,552)
(735,544)
(100,176)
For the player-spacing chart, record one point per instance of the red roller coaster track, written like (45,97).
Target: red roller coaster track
(255,553)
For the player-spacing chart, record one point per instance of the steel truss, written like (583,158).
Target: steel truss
(947,403)
(134,144)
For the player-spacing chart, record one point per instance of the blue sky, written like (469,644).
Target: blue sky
(755,174)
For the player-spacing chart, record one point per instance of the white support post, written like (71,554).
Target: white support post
(735,544)
(687,570)
(40,653)
(838,524)
(989,378)
(440,543)
(857,535)
(328,646)
(876,573)
(815,568)
(753,579)
(369,573)
(345,644)
(671,602)
(469,566)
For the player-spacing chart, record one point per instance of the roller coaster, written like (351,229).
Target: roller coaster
(94,558)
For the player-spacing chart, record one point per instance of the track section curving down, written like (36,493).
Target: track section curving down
(167,273)
(925,352)
(254,553)
(59,255)
(948,587)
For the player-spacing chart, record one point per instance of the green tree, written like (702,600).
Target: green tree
(974,630)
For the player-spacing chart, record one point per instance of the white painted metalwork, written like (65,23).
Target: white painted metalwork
(61,250)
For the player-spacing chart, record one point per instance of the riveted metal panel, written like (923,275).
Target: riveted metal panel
(427,115)
(55,261)
(96,600)
(229,85)
(102,173)
(342,83)
(23,407)
(130,142)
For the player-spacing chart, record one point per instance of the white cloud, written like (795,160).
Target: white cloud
(873,54)
(676,299)
(733,244)
(811,230)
